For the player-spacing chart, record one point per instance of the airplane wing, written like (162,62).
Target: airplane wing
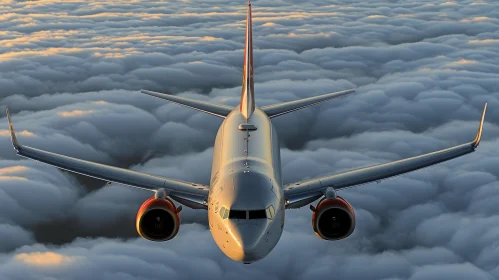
(279,109)
(218,110)
(301,193)
(189,194)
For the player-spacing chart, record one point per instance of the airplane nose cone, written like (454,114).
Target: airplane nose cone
(249,240)
(250,236)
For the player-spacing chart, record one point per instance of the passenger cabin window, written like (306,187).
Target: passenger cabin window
(257,214)
(237,214)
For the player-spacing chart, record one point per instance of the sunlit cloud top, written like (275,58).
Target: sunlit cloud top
(75,113)
(6,132)
(44,259)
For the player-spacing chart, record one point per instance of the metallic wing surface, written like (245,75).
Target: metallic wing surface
(218,110)
(189,194)
(301,193)
(279,109)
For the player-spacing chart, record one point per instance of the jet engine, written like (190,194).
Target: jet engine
(333,218)
(158,219)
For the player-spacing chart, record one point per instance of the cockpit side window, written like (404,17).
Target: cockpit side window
(226,214)
(270,212)
(222,212)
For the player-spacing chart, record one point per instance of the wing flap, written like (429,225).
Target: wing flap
(279,109)
(296,193)
(218,110)
(191,192)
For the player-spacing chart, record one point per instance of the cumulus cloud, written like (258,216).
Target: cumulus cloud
(70,73)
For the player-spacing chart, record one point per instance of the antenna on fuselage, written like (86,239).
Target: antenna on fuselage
(247,105)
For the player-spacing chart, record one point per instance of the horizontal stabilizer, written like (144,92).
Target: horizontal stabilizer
(276,110)
(218,110)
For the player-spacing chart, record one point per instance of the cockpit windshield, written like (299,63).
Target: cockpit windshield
(237,214)
(257,214)
(267,213)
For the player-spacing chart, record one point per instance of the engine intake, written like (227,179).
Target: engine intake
(157,219)
(333,219)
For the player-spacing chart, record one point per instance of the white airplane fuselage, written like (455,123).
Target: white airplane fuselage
(246,176)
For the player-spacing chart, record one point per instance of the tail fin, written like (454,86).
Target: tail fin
(247,105)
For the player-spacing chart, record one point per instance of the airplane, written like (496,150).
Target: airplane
(246,199)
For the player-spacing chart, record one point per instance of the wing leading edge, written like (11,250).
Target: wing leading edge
(189,194)
(301,193)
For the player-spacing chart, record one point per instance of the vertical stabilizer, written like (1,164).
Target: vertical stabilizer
(247,105)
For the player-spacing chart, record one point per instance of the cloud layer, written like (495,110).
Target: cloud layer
(70,73)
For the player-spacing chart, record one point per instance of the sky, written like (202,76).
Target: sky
(71,72)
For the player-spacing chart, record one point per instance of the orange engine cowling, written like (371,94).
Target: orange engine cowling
(157,219)
(333,218)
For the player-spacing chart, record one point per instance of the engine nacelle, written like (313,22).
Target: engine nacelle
(333,219)
(157,219)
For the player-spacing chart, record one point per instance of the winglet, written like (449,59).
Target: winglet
(16,144)
(476,142)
